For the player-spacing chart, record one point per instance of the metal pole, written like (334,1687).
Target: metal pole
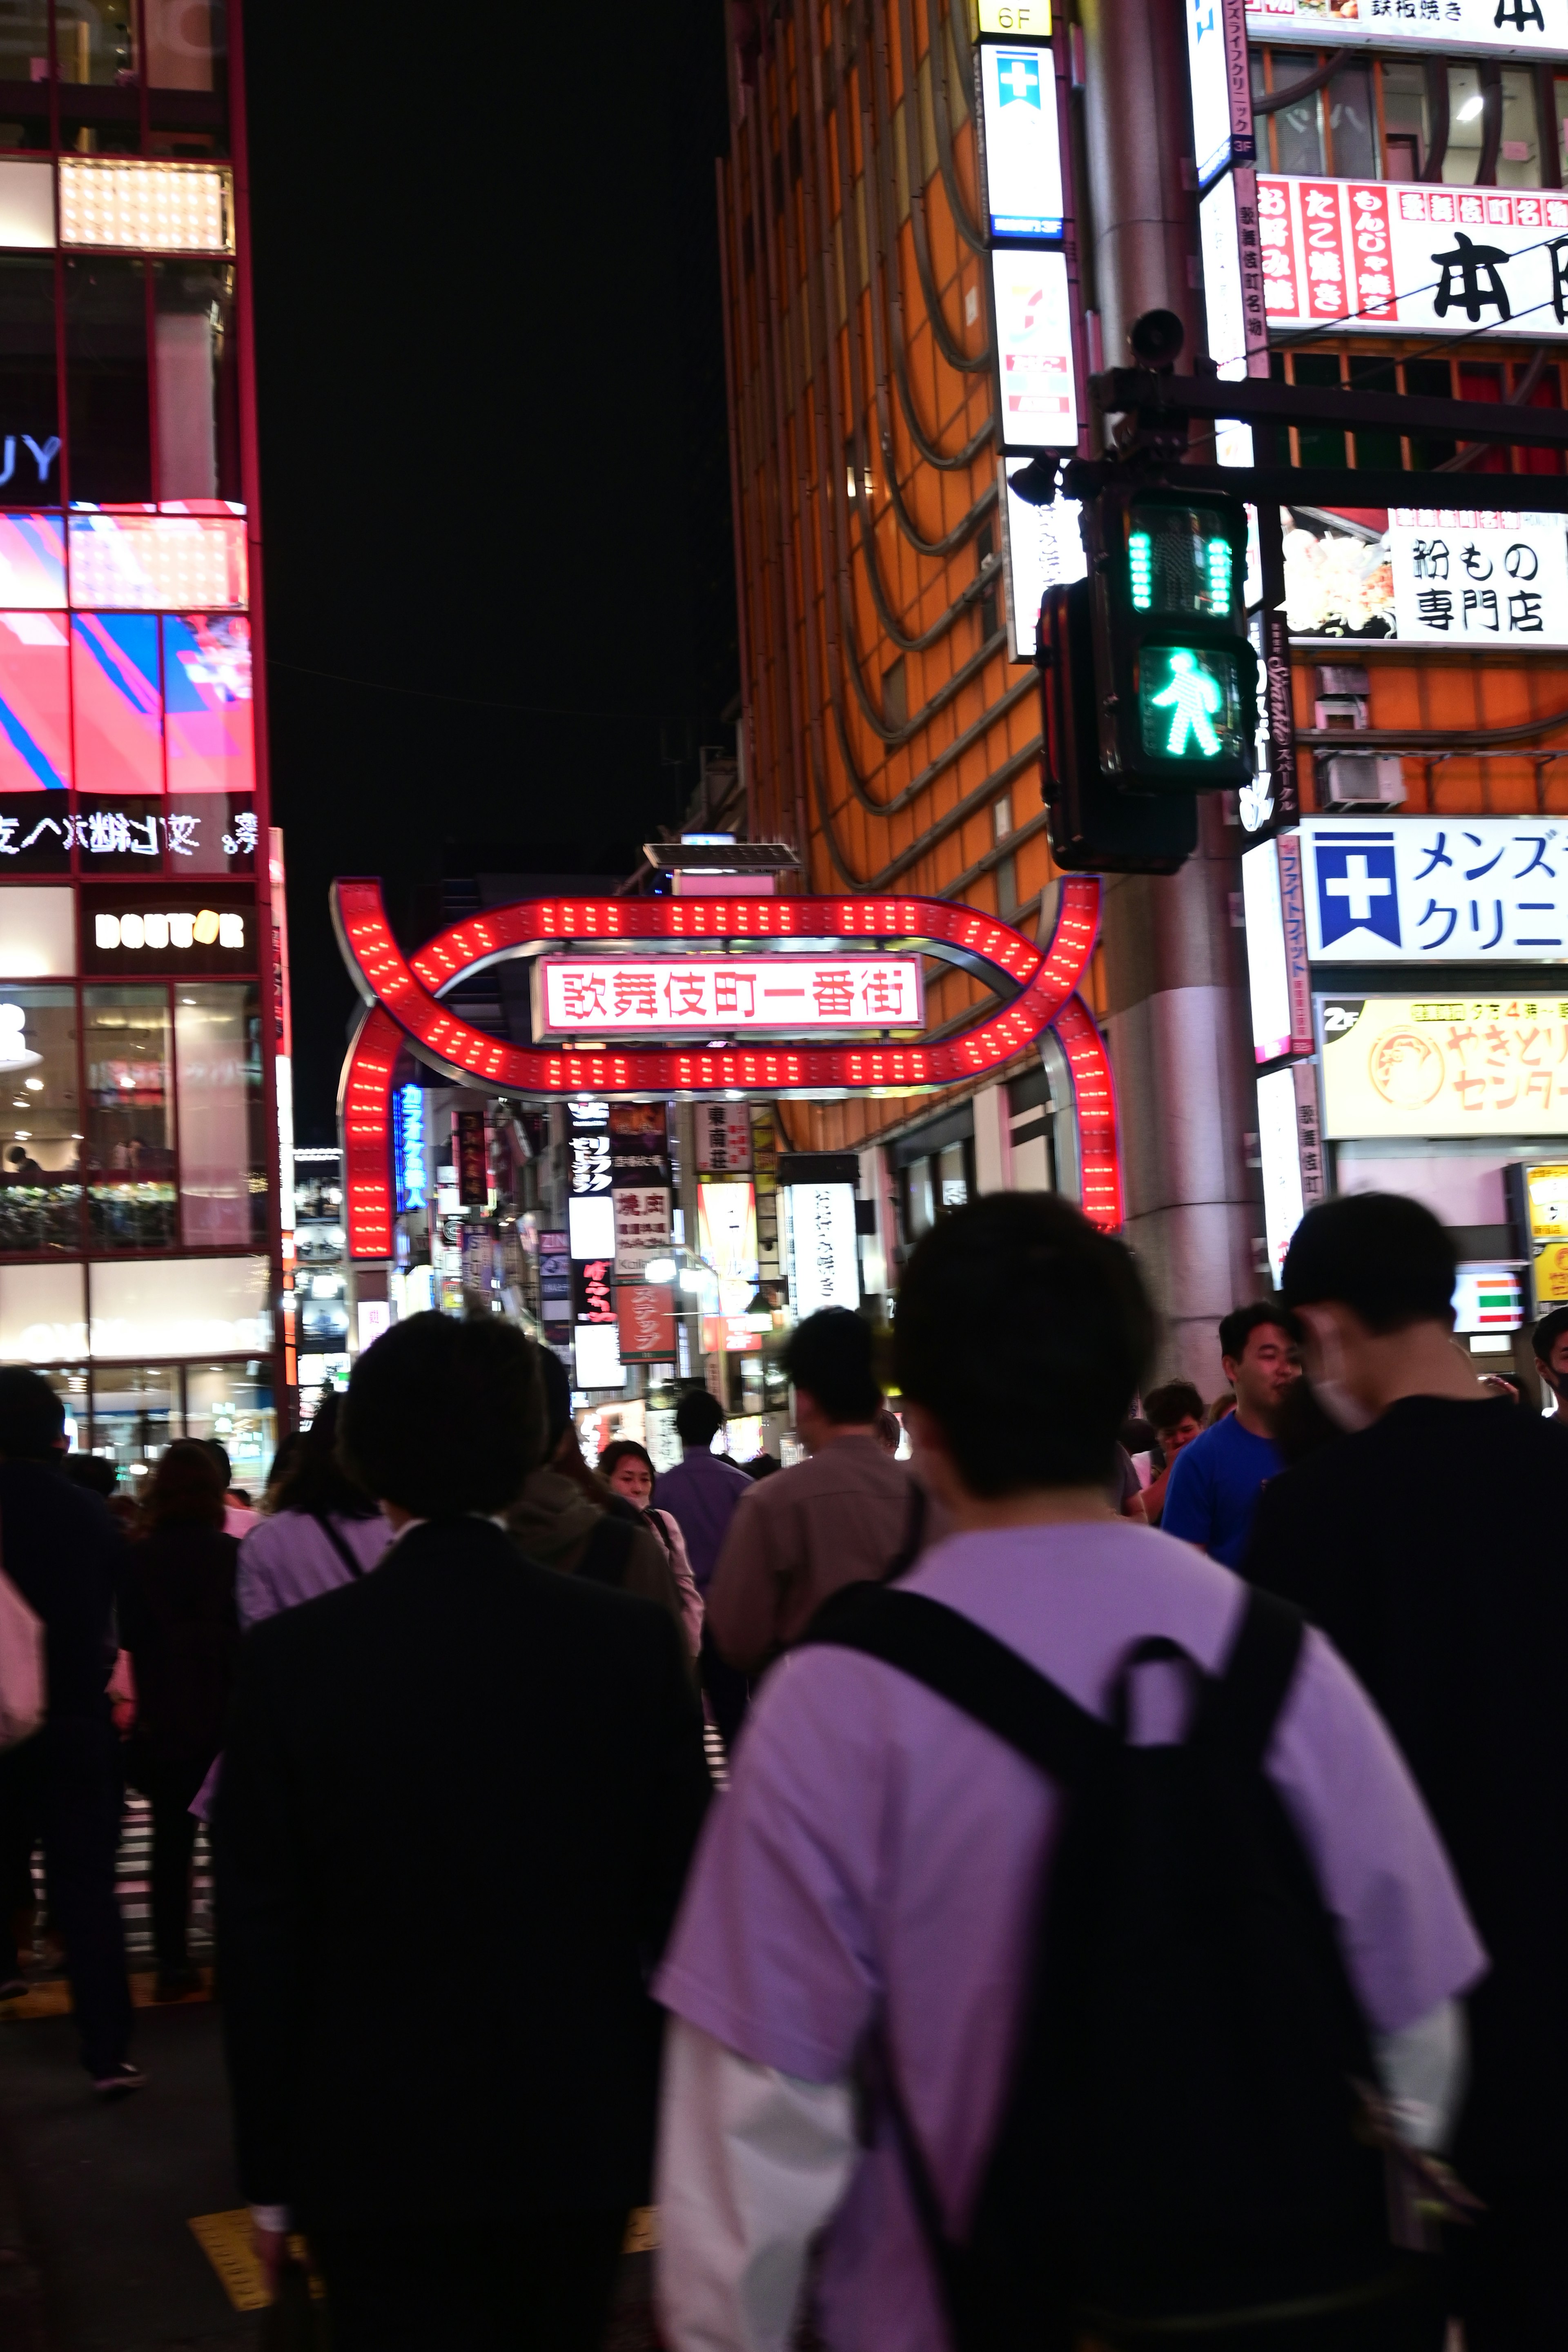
(1178,1032)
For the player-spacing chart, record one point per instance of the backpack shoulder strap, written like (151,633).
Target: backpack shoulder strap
(608,1553)
(340,1544)
(971,1669)
(1241,1708)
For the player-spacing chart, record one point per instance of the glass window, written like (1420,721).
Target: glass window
(1434,380)
(37,932)
(953,1176)
(207,687)
(1298,129)
(117,702)
(130,1119)
(106,375)
(193,343)
(1376,445)
(135,1413)
(69,1383)
(24,40)
(1404,119)
(40,1119)
(181,1307)
(29,408)
(1519,156)
(233,1403)
(185,41)
(1320,444)
(94,41)
(41,1314)
(1466,125)
(32,563)
(222,1171)
(157,563)
(1353,122)
(919,1213)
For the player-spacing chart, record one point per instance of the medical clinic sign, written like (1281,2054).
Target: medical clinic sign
(785,996)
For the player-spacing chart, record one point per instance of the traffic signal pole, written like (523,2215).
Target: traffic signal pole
(1179,1037)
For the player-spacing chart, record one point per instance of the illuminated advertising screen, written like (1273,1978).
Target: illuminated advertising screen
(727,1235)
(1042,548)
(824,1269)
(207,698)
(1436,890)
(157,563)
(642,1228)
(35,703)
(578,996)
(32,563)
(1396,1066)
(1371,254)
(1033,349)
(1218,77)
(117,703)
(1023,146)
(1518,28)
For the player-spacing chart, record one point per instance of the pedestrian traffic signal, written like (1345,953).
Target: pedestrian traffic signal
(1175,677)
(1094,822)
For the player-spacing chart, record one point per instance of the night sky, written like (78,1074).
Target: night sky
(500,597)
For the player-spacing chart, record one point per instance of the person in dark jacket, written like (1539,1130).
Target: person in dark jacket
(66,1556)
(179,1622)
(465,1715)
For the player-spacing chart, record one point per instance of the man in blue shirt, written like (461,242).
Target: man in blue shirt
(1218,1478)
(700,1494)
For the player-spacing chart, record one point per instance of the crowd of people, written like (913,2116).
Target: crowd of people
(1137,1907)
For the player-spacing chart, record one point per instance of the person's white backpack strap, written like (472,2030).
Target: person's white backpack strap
(24,1689)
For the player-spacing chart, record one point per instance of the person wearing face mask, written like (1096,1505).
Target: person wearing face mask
(1427,1545)
(1216,1480)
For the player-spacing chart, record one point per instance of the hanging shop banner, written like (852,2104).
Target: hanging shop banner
(723,1134)
(639,1145)
(1546,1210)
(1369,255)
(665,995)
(1290,1155)
(1395,1066)
(593,1290)
(1435,889)
(1233,287)
(1033,350)
(765,1164)
(1277,949)
(1221,87)
(647,1311)
(472,1155)
(1508,28)
(1042,548)
(1022,138)
(589,1137)
(727,1239)
(555,1277)
(824,1269)
(642,1228)
(1017,19)
(1471,576)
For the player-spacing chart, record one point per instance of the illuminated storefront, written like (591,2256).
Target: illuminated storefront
(140,988)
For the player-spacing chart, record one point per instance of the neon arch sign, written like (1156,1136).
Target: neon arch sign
(403,1000)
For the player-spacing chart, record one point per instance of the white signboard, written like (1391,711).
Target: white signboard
(1435,889)
(1513,29)
(1222,96)
(1268,977)
(1373,254)
(1232,276)
(1033,350)
(1445,1064)
(823,1254)
(641,1225)
(1042,548)
(1023,144)
(1479,577)
(657,995)
(1289,1149)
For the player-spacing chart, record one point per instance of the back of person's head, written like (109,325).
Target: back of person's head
(829,1356)
(443,1417)
(32,1418)
(555,1393)
(220,1455)
(888,1428)
(1384,1256)
(283,1461)
(1023,1332)
(1237,1328)
(94,1471)
(1548,1331)
(186,1486)
(1168,1406)
(314,1479)
(698,1417)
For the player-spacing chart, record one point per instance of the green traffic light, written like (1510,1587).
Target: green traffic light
(1192,696)
(1189,702)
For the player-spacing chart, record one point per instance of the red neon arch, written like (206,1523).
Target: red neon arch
(401,996)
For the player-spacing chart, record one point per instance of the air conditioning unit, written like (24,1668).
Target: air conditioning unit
(1360,779)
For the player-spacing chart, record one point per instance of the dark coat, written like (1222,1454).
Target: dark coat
(178,1621)
(61,1549)
(471,1750)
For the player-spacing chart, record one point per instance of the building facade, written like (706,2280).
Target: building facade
(142,998)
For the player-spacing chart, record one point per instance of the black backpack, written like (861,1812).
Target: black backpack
(1181,2148)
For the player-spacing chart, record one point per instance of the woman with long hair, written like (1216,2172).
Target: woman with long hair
(321,1529)
(179,1622)
(627,1470)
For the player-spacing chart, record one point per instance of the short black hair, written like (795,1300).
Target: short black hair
(1380,1255)
(443,1417)
(220,1455)
(1547,1333)
(619,1450)
(1168,1407)
(698,1417)
(99,1476)
(1237,1328)
(32,1417)
(1023,1332)
(829,1356)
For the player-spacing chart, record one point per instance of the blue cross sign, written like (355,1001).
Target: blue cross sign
(1358,887)
(1019,78)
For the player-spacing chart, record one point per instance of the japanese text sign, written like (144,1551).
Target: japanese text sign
(723,1135)
(1444,1066)
(1519,28)
(647,1311)
(1033,350)
(657,995)
(1471,576)
(1217,76)
(824,1268)
(642,1227)
(1369,255)
(1444,889)
(1546,1208)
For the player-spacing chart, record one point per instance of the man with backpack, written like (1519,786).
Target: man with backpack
(1072,1929)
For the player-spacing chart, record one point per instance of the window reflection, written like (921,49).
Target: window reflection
(24,40)
(217,1046)
(94,41)
(130,1118)
(29,408)
(233,1403)
(193,355)
(40,1123)
(106,372)
(185,41)
(135,1413)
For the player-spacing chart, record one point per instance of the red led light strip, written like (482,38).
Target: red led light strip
(1094,1098)
(401,998)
